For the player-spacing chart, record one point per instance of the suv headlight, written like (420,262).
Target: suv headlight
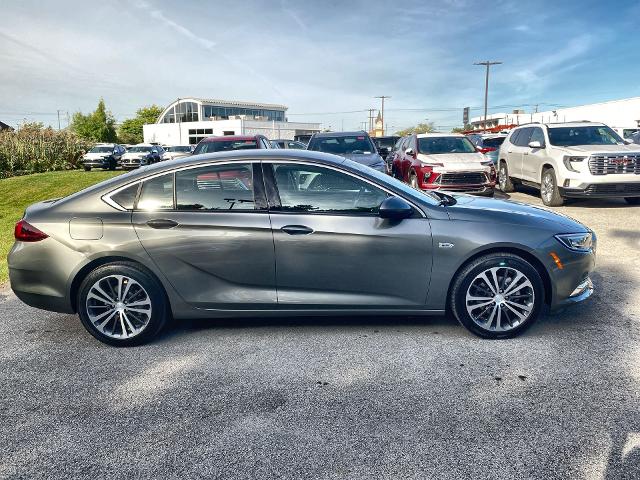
(570,160)
(487,163)
(579,242)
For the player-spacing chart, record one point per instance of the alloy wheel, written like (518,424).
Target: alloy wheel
(118,306)
(413,180)
(500,299)
(502,177)
(546,188)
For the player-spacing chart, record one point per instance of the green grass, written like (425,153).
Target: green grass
(17,193)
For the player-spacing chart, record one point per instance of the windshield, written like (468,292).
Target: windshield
(101,149)
(493,142)
(225,145)
(573,136)
(140,149)
(437,145)
(179,148)
(387,142)
(356,144)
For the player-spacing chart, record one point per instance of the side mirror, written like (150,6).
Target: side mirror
(535,144)
(395,208)
(409,151)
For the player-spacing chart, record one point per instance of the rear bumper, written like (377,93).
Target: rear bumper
(603,190)
(34,288)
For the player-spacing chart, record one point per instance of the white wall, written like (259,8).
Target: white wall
(623,113)
(178,133)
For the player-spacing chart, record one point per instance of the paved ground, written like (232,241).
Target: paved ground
(336,398)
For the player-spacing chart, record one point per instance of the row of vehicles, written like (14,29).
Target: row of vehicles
(562,160)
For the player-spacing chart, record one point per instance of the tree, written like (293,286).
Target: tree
(466,128)
(420,128)
(99,126)
(130,130)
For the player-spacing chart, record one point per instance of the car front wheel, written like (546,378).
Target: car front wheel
(413,180)
(504,181)
(497,296)
(549,191)
(122,304)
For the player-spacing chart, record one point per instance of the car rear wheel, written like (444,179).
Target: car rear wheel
(497,296)
(122,304)
(87,169)
(633,200)
(549,191)
(504,181)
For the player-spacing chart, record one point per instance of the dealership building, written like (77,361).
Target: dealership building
(186,121)
(621,115)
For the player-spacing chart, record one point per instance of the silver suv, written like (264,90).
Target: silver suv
(570,160)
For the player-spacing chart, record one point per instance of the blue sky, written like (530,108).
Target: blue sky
(316,57)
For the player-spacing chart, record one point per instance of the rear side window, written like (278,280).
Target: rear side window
(221,187)
(157,194)
(493,142)
(126,198)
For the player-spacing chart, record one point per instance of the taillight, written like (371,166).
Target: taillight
(487,149)
(25,232)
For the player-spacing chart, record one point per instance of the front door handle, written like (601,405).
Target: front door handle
(162,223)
(297,230)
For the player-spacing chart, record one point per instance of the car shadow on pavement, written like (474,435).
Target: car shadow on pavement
(570,202)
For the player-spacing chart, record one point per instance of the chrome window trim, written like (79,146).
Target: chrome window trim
(109,201)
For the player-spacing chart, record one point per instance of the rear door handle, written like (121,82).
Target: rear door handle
(162,223)
(297,230)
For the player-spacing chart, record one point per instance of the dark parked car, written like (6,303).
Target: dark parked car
(288,144)
(385,144)
(356,146)
(489,144)
(228,143)
(103,155)
(270,232)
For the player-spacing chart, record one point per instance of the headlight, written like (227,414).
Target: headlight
(570,160)
(487,163)
(580,242)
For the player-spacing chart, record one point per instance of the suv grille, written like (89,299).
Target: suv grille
(609,164)
(467,178)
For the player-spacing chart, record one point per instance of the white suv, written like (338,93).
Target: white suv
(575,159)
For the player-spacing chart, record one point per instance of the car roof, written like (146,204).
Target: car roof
(226,138)
(575,124)
(427,135)
(340,134)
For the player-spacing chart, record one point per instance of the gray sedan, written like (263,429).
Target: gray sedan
(276,232)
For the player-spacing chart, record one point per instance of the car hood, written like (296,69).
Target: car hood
(494,210)
(96,155)
(589,149)
(364,158)
(134,155)
(456,161)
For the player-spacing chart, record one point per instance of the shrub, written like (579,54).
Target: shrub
(33,148)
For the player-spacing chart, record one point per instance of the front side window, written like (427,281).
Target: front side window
(442,145)
(216,187)
(308,188)
(157,194)
(340,145)
(591,135)
(101,149)
(522,140)
(537,136)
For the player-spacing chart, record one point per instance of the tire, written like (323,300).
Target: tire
(413,180)
(87,169)
(549,192)
(113,165)
(489,321)
(504,180)
(632,200)
(141,322)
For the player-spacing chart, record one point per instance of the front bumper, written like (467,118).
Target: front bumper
(602,190)
(482,182)
(97,163)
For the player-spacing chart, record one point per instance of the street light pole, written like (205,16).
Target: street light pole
(382,97)
(486,86)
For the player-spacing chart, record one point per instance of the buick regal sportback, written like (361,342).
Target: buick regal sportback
(291,232)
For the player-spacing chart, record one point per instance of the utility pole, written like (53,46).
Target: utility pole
(371,110)
(58,118)
(486,86)
(382,97)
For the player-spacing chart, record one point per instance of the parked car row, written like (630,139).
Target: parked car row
(110,156)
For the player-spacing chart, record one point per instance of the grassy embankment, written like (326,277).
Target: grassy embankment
(17,193)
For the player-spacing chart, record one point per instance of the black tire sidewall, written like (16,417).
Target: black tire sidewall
(556,198)
(508,185)
(466,276)
(151,285)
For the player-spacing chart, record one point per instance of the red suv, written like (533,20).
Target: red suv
(443,161)
(231,142)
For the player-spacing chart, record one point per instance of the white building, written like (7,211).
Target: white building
(621,115)
(188,120)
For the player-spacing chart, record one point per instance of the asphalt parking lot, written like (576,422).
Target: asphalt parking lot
(337,398)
